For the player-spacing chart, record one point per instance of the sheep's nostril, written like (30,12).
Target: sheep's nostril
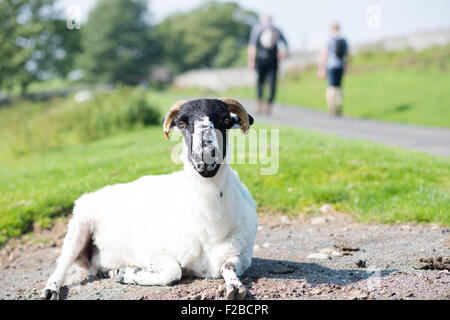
(200,166)
(213,152)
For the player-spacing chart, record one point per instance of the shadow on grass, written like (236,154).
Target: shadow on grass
(389,112)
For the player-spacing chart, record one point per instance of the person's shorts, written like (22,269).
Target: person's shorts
(335,76)
(266,64)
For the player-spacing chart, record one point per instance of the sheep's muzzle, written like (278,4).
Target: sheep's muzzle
(205,153)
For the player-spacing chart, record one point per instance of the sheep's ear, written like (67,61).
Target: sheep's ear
(236,121)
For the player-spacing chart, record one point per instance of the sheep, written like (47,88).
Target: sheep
(200,221)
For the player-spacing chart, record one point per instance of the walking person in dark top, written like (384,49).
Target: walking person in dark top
(333,62)
(263,55)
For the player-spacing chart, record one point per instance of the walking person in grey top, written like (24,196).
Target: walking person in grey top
(333,62)
(263,55)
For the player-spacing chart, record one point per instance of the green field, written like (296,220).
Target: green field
(40,181)
(404,87)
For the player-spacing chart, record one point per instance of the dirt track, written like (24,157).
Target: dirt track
(349,261)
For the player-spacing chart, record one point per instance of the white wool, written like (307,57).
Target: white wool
(158,228)
(200,222)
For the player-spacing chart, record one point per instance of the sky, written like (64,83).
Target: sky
(306,24)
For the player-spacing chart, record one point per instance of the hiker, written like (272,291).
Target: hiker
(333,62)
(263,55)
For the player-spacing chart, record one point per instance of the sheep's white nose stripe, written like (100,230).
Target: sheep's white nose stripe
(205,148)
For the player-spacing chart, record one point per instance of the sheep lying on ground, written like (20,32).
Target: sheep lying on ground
(200,221)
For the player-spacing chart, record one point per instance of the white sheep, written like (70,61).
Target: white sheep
(200,221)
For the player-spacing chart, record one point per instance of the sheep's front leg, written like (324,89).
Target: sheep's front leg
(165,270)
(76,239)
(234,289)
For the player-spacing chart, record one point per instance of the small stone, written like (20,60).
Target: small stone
(285,220)
(344,246)
(326,208)
(316,291)
(336,253)
(361,263)
(320,256)
(267,245)
(318,220)
(433,263)
(256,247)
(355,294)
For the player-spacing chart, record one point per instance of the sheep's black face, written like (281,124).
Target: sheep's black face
(204,124)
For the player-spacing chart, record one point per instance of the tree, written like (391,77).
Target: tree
(212,35)
(118,43)
(34,43)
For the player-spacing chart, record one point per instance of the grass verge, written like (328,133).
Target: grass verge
(372,182)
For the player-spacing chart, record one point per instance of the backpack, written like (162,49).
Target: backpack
(268,38)
(341,48)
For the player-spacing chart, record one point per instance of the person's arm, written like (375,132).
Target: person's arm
(251,50)
(251,56)
(285,49)
(347,58)
(322,62)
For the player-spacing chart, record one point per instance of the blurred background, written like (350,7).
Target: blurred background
(84,86)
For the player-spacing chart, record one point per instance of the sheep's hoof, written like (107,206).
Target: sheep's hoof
(49,294)
(235,291)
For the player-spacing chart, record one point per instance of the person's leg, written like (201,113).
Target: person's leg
(262,72)
(332,93)
(272,74)
(338,99)
(329,95)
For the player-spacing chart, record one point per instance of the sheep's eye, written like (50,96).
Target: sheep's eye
(181,124)
(226,121)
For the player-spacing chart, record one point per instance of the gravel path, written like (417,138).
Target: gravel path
(313,257)
(421,138)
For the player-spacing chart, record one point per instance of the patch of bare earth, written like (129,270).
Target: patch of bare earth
(313,257)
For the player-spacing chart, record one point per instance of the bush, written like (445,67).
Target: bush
(108,113)
(65,121)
